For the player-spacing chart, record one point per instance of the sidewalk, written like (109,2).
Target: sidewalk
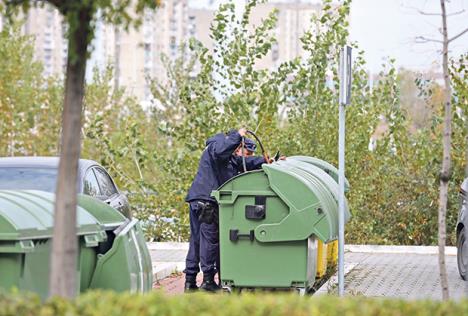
(405,272)
(167,258)
(408,272)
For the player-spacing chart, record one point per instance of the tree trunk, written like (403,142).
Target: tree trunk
(63,268)
(466,145)
(445,173)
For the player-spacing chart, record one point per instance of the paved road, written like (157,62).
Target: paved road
(374,271)
(399,275)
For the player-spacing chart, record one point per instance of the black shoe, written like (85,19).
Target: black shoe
(209,284)
(190,284)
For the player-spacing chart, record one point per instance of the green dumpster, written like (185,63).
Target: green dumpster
(107,241)
(270,220)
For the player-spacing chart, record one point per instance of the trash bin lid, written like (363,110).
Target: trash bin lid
(28,214)
(330,169)
(312,204)
(319,174)
(108,217)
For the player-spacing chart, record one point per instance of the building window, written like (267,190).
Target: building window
(49,20)
(48,61)
(148,54)
(147,92)
(173,46)
(275,52)
(173,24)
(192,26)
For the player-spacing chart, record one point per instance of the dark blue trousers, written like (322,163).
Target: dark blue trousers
(203,247)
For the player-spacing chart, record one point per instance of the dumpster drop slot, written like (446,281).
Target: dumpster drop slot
(225,196)
(234,235)
(257,211)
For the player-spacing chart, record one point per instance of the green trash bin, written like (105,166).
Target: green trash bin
(269,222)
(26,229)
(123,261)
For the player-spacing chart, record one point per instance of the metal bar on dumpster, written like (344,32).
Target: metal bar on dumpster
(345,96)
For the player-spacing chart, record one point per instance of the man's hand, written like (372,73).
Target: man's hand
(272,160)
(242,131)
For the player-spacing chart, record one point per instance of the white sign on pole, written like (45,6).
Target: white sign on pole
(345,99)
(345,75)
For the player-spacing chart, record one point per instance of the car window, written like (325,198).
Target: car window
(107,186)
(26,178)
(90,185)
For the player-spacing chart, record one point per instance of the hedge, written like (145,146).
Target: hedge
(157,303)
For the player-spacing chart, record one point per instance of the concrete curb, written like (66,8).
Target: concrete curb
(423,250)
(427,250)
(167,245)
(162,270)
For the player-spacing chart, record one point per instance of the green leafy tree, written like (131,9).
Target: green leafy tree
(28,102)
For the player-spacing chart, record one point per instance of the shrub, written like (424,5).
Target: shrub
(111,304)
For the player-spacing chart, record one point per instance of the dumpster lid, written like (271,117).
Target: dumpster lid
(108,217)
(28,214)
(330,169)
(307,189)
(311,199)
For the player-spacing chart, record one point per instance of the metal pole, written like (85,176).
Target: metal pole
(345,96)
(341,199)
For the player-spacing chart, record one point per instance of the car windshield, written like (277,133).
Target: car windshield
(24,178)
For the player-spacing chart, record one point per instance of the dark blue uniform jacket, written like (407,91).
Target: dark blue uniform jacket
(218,164)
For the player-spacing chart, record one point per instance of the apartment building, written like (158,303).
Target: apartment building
(47,27)
(136,54)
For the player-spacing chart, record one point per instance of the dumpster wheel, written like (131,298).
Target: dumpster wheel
(301,291)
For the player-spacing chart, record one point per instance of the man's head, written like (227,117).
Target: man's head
(249,148)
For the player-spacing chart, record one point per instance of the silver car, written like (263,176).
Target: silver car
(40,173)
(462,226)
